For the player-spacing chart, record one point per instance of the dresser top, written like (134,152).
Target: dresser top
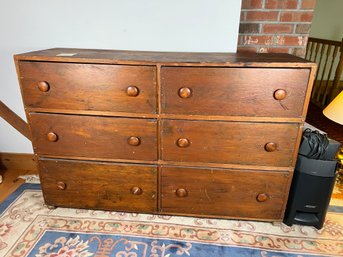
(163,58)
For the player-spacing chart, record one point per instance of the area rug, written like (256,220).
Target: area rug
(29,228)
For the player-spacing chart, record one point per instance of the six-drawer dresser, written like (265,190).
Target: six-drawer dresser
(200,134)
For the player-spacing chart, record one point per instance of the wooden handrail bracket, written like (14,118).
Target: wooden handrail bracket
(14,120)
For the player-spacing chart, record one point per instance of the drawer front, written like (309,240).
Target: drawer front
(234,91)
(94,137)
(231,193)
(97,185)
(93,87)
(267,144)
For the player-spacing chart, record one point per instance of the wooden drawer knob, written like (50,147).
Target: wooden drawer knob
(185,92)
(270,147)
(43,86)
(61,185)
(52,137)
(136,191)
(134,141)
(280,94)
(132,91)
(183,142)
(262,197)
(181,192)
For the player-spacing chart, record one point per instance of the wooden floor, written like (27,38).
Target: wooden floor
(11,182)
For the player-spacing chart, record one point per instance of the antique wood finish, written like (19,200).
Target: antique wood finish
(18,161)
(89,87)
(99,185)
(229,142)
(76,55)
(11,181)
(14,120)
(172,116)
(12,165)
(227,91)
(230,193)
(195,134)
(91,136)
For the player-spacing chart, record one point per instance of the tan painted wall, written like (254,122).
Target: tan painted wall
(328,20)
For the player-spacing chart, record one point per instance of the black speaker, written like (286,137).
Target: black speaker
(313,180)
(310,192)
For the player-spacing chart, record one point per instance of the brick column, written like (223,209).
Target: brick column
(275,26)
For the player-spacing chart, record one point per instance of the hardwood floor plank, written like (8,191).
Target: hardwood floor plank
(11,181)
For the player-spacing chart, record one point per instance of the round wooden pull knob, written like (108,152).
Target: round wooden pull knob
(136,191)
(183,142)
(270,147)
(185,92)
(280,94)
(262,197)
(134,141)
(52,137)
(181,192)
(132,91)
(61,185)
(43,86)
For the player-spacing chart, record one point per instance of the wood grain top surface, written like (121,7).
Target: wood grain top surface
(163,58)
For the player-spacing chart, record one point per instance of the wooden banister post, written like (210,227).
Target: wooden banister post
(14,120)
(338,75)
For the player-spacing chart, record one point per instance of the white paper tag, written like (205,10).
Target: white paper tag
(66,54)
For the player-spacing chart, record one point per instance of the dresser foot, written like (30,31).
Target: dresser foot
(276,223)
(51,207)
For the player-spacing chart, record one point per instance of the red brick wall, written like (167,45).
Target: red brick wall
(275,26)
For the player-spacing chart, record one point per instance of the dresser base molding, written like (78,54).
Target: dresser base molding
(191,134)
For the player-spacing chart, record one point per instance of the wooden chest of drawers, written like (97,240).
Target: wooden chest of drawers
(200,134)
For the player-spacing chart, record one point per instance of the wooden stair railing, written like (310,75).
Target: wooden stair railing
(328,54)
(14,120)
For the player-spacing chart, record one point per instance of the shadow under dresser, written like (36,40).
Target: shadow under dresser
(195,134)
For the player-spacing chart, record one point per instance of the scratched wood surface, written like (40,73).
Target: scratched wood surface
(92,136)
(89,86)
(234,91)
(232,193)
(229,142)
(152,58)
(199,134)
(104,186)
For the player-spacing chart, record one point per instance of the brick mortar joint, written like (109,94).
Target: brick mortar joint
(263,3)
(273,46)
(299,4)
(278,22)
(277,10)
(273,34)
(270,46)
(294,30)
